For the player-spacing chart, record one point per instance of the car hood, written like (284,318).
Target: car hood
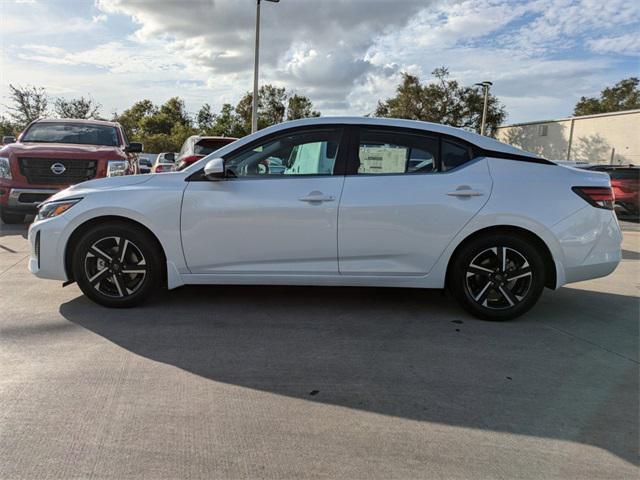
(100,184)
(60,148)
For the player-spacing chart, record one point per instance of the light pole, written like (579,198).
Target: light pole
(254,103)
(485,85)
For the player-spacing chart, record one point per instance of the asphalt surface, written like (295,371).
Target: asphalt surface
(277,382)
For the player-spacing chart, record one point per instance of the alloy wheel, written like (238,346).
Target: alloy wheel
(115,267)
(499,278)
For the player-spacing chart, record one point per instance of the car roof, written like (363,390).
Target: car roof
(77,120)
(481,141)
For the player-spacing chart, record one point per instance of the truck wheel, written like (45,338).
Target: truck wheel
(11,218)
(497,276)
(117,264)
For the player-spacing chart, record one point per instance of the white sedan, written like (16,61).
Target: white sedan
(339,201)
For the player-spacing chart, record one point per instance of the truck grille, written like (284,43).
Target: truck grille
(39,171)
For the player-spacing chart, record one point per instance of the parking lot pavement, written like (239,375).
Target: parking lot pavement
(277,382)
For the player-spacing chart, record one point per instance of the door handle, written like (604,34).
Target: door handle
(317,197)
(465,191)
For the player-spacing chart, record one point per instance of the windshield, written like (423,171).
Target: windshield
(78,133)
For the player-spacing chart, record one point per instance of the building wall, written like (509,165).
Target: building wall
(606,138)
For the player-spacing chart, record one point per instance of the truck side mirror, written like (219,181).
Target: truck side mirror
(8,139)
(133,147)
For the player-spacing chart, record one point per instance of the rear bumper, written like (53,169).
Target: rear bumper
(590,242)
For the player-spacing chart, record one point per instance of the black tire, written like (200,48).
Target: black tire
(485,288)
(110,277)
(12,218)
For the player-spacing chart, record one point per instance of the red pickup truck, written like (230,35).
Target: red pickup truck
(50,155)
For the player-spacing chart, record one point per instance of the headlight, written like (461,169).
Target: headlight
(5,168)
(53,209)
(117,167)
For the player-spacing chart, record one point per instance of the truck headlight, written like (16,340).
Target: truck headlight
(53,209)
(117,167)
(5,168)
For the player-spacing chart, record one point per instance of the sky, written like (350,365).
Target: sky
(346,55)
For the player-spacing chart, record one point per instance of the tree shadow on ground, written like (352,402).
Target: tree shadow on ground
(406,353)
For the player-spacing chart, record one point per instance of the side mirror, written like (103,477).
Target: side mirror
(214,169)
(8,139)
(134,147)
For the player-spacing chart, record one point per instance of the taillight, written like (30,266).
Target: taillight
(599,197)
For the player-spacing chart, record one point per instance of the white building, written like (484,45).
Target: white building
(612,138)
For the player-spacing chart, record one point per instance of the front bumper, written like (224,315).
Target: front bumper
(26,200)
(46,242)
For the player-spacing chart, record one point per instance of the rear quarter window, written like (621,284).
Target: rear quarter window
(454,154)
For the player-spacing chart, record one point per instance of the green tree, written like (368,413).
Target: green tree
(77,108)
(624,95)
(132,117)
(274,104)
(8,128)
(28,104)
(205,119)
(160,129)
(299,106)
(443,101)
(228,123)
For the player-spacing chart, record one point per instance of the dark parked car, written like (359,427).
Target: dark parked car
(195,147)
(625,180)
(145,161)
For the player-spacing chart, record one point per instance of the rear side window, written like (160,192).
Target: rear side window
(454,154)
(386,152)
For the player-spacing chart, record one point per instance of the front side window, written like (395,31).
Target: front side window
(76,133)
(311,152)
(386,152)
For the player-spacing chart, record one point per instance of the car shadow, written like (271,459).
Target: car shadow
(630,255)
(401,352)
(21,229)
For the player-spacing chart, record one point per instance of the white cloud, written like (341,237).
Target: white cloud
(99,18)
(541,54)
(627,44)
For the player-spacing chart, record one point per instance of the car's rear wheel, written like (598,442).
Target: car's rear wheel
(11,218)
(117,264)
(497,276)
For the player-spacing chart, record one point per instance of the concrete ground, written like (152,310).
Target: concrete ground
(276,382)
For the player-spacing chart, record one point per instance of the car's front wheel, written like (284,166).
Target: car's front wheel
(497,276)
(117,264)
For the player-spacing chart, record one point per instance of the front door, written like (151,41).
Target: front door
(405,197)
(276,211)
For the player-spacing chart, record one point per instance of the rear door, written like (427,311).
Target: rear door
(406,194)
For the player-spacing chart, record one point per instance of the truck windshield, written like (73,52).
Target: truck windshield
(78,133)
